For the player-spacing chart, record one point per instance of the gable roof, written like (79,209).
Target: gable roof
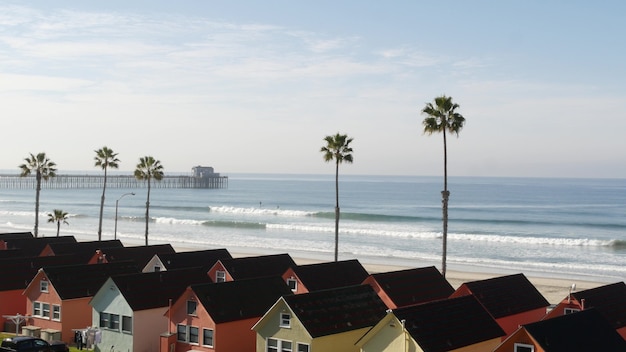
(259,266)
(321,276)
(14,235)
(186,259)
(333,311)
(609,300)
(449,324)
(84,249)
(581,331)
(18,272)
(154,289)
(139,254)
(413,286)
(84,280)
(507,295)
(240,299)
(31,247)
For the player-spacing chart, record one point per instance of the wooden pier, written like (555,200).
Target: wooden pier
(113,181)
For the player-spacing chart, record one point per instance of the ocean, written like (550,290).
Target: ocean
(553,227)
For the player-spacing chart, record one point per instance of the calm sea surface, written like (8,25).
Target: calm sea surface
(553,227)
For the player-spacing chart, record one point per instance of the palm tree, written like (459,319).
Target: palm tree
(148,169)
(105,158)
(442,117)
(337,148)
(43,169)
(58,216)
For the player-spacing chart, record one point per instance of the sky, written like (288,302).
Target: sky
(255,86)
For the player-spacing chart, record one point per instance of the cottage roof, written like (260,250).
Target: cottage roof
(84,280)
(609,300)
(31,247)
(337,310)
(413,286)
(154,289)
(582,331)
(139,254)
(186,259)
(86,249)
(449,324)
(18,272)
(15,235)
(258,266)
(320,276)
(507,295)
(240,299)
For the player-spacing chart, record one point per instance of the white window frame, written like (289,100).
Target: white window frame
(220,276)
(45,310)
(291,282)
(280,345)
(37,309)
(197,342)
(43,286)
(523,345)
(569,310)
(284,320)
(56,312)
(105,320)
(178,332)
(195,308)
(212,337)
(127,324)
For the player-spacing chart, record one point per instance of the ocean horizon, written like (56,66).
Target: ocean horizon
(553,227)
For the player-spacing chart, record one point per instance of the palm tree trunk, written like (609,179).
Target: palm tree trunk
(104,187)
(37,191)
(58,227)
(337,211)
(445,194)
(147,211)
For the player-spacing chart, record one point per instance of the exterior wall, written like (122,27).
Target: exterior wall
(219,267)
(512,322)
(300,288)
(11,303)
(520,336)
(33,294)
(148,325)
(343,342)
(154,262)
(109,300)
(622,332)
(178,315)
(559,309)
(268,326)
(389,336)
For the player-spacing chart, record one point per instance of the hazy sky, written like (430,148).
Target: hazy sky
(255,86)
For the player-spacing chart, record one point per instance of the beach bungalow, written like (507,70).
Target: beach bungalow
(580,331)
(84,249)
(139,254)
(324,320)
(457,324)
(186,259)
(322,276)
(407,287)
(219,317)
(13,235)
(129,309)
(608,300)
(16,274)
(57,298)
(250,267)
(30,247)
(511,300)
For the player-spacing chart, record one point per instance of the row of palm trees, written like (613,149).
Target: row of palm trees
(441,117)
(43,168)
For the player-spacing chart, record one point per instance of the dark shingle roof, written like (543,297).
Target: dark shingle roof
(204,258)
(321,276)
(413,286)
(139,254)
(83,249)
(18,272)
(507,295)
(14,235)
(333,311)
(84,280)
(155,289)
(449,324)
(582,331)
(609,300)
(240,299)
(32,247)
(251,267)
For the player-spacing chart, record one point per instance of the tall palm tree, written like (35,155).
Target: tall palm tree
(105,158)
(148,169)
(43,169)
(58,216)
(337,148)
(442,117)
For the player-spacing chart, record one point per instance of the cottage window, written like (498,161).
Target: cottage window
(157,268)
(293,284)
(191,307)
(56,312)
(275,345)
(207,337)
(127,324)
(181,333)
(45,310)
(37,309)
(303,347)
(43,286)
(220,276)
(104,320)
(285,320)
(567,311)
(522,347)
(193,334)
(114,323)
